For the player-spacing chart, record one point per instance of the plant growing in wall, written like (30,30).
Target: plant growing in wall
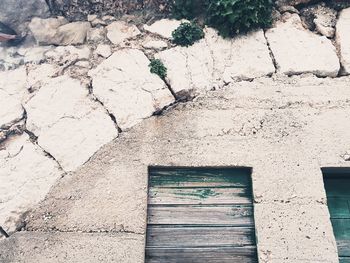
(232,17)
(229,17)
(188,8)
(187,34)
(157,67)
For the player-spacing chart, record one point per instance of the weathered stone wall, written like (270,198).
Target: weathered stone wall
(79,9)
(286,130)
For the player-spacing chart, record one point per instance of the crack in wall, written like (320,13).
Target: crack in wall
(274,62)
(34,139)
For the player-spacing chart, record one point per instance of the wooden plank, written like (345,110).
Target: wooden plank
(343,247)
(339,207)
(337,187)
(344,259)
(199,196)
(341,228)
(200,178)
(200,255)
(190,236)
(234,215)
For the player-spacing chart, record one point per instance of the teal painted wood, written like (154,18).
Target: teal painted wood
(338,196)
(202,255)
(343,247)
(344,259)
(177,177)
(200,215)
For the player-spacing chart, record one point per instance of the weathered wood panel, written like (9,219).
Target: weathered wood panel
(344,248)
(200,215)
(234,215)
(344,259)
(337,186)
(339,207)
(190,236)
(201,255)
(338,199)
(341,228)
(199,178)
(168,196)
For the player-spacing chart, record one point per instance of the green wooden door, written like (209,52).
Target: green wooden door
(200,215)
(338,196)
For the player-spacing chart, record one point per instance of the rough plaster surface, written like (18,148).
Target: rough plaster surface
(297,50)
(28,247)
(285,129)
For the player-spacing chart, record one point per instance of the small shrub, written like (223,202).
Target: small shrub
(229,17)
(188,8)
(187,34)
(232,17)
(338,4)
(157,67)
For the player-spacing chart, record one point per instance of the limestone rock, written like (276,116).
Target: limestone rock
(242,58)
(125,86)
(63,54)
(11,111)
(155,44)
(299,51)
(190,70)
(9,58)
(214,59)
(13,82)
(40,75)
(163,27)
(44,30)
(72,33)
(95,21)
(69,125)
(96,34)
(57,31)
(119,31)
(16,12)
(26,176)
(320,18)
(34,55)
(343,39)
(103,51)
